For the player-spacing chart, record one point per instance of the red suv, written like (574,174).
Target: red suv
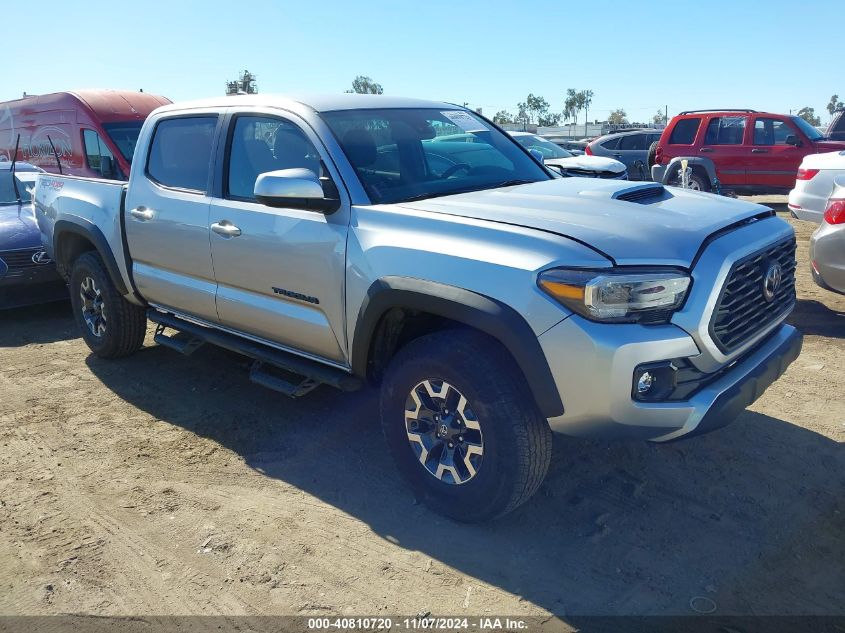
(746,151)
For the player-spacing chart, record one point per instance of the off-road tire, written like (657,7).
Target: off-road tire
(125,323)
(517,438)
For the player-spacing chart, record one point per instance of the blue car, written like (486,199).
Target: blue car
(27,275)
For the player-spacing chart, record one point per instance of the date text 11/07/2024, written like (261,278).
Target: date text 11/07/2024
(418,624)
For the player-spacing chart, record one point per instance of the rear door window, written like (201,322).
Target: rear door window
(726,130)
(180,153)
(685,131)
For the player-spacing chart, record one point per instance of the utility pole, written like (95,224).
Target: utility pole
(666,116)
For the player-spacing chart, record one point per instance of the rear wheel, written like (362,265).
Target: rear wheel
(696,182)
(111,326)
(462,425)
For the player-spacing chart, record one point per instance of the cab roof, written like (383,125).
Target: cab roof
(316,102)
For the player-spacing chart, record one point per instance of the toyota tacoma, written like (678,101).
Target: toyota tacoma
(332,241)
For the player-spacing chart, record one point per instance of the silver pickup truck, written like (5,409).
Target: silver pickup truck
(333,242)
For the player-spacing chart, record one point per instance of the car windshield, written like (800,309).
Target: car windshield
(402,154)
(812,133)
(546,148)
(125,136)
(25,179)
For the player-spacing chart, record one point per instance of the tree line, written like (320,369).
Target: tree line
(535,110)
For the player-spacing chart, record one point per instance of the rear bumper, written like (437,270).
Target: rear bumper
(805,206)
(827,257)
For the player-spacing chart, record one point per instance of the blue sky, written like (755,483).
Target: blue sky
(769,55)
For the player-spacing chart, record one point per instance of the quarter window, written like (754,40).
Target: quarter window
(95,149)
(685,131)
(771,132)
(180,154)
(612,143)
(726,130)
(262,144)
(633,141)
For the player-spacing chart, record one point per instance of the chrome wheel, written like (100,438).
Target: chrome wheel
(444,432)
(93,311)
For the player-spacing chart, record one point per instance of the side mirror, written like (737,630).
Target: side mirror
(106,166)
(793,140)
(293,188)
(538,155)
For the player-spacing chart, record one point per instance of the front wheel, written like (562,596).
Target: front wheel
(111,326)
(463,427)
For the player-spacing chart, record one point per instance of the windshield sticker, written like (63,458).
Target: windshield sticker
(465,121)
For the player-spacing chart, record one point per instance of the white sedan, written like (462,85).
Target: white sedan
(567,163)
(807,201)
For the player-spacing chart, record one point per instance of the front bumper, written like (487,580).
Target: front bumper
(27,287)
(593,365)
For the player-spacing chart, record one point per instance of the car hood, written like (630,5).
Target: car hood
(829,146)
(827,160)
(666,229)
(588,163)
(18,228)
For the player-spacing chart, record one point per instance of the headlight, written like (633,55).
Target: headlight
(617,296)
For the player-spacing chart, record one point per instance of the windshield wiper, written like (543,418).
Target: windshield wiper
(512,183)
(495,185)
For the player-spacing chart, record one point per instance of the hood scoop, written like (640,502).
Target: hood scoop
(643,194)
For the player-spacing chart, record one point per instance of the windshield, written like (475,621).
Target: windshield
(26,181)
(125,136)
(546,148)
(407,154)
(812,133)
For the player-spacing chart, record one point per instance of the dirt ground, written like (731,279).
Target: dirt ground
(160,484)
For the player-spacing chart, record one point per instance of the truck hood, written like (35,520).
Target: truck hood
(18,228)
(667,228)
(588,163)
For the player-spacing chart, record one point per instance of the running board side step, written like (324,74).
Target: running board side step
(268,360)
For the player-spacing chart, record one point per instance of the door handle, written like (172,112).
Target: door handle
(759,151)
(224,228)
(705,150)
(142,213)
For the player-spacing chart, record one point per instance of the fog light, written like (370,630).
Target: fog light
(654,382)
(645,383)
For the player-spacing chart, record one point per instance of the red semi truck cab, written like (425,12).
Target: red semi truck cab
(93,132)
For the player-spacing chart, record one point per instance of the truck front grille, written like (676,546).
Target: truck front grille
(743,309)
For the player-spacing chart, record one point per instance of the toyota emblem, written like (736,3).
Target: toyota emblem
(771,281)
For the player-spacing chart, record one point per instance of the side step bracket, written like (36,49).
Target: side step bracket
(270,361)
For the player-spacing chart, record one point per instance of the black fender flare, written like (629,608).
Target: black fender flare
(92,233)
(701,161)
(463,306)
